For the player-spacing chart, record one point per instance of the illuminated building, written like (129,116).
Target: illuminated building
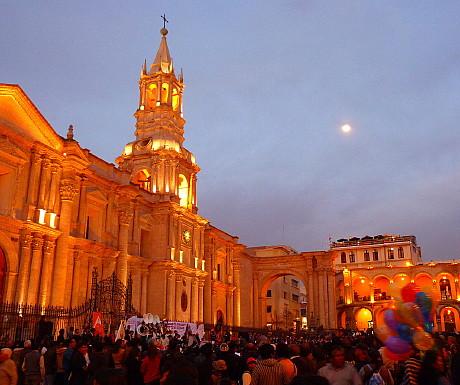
(64,212)
(366,266)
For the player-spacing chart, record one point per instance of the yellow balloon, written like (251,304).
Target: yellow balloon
(423,341)
(409,314)
(384,332)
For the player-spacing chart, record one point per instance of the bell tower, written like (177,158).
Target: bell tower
(157,160)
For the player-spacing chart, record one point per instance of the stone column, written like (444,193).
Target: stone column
(214,305)
(89,281)
(44,183)
(171,309)
(179,288)
(322,298)
(256,303)
(35,269)
(125,216)
(332,301)
(24,268)
(145,277)
(237,295)
(137,288)
(10,286)
(194,304)
(82,208)
(68,192)
(34,174)
(310,300)
(53,188)
(229,295)
(76,278)
(200,300)
(48,248)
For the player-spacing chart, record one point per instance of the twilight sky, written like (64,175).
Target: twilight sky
(268,85)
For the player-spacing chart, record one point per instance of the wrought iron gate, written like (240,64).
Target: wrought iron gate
(112,299)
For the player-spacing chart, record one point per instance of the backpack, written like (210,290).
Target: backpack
(376,379)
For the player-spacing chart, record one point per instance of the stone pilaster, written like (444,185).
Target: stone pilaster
(171,309)
(237,295)
(35,269)
(52,197)
(179,288)
(333,300)
(81,219)
(194,303)
(137,287)
(76,278)
(44,183)
(256,303)
(48,248)
(145,277)
(214,305)
(124,216)
(200,300)
(34,174)
(24,268)
(68,192)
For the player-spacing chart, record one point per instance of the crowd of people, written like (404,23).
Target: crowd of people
(249,359)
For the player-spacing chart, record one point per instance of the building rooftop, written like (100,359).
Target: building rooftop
(377,239)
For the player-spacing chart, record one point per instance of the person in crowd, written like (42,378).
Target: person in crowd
(282,353)
(8,369)
(67,356)
(150,367)
(433,370)
(49,359)
(231,359)
(338,372)
(79,364)
(204,364)
(302,357)
(412,368)
(32,367)
(375,368)
(361,355)
(219,372)
(118,354)
(268,371)
(98,361)
(133,367)
(246,378)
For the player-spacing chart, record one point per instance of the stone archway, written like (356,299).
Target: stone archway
(316,271)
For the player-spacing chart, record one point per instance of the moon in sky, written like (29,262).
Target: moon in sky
(346,128)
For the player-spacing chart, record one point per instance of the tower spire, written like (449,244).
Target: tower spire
(163,61)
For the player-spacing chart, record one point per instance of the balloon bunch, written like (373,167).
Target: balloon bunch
(408,320)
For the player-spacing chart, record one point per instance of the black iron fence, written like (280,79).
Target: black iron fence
(21,322)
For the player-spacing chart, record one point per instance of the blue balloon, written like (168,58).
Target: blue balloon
(405,332)
(390,320)
(397,346)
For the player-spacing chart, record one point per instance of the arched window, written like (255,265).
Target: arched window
(164,93)
(367,256)
(391,253)
(352,256)
(143,179)
(444,286)
(183,190)
(343,257)
(400,252)
(152,96)
(175,99)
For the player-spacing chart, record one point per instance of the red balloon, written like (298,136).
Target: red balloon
(409,292)
(396,357)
